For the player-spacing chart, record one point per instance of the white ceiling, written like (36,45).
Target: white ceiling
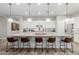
(38,10)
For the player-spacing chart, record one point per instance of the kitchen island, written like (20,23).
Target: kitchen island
(32,35)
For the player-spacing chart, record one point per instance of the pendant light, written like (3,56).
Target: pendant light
(67,17)
(10,19)
(48,19)
(29,19)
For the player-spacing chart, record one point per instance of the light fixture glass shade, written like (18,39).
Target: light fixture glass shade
(29,19)
(67,20)
(10,19)
(48,19)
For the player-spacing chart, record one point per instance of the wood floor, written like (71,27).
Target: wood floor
(37,52)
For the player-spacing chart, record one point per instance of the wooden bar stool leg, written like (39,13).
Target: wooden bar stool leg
(64,48)
(35,46)
(60,45)
(12,44)
(47,46)
(52,45)
(29,46)
(7,47)
(18,43)
(42,46)
(23,45)
(72,46)
(55,47)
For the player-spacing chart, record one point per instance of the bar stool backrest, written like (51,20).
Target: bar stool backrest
(10,39)
(68,40)
(38,39)
(24,39)
(52,39)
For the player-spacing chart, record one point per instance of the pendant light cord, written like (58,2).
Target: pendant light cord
(67,9)
(48,8)
(10,4)
(29,8)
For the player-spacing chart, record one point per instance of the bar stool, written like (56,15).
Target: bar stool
(51,40)
(25,40)
(38,40)
(10,40)
(66,41)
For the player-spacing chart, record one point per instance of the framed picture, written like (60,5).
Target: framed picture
(14,26)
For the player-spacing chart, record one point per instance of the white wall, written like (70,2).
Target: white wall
(60,24)
(3,27)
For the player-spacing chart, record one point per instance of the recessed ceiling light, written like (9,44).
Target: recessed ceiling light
(59,4)
(18,4)
(39,4)
(10,19)
(29,19)
(48,19)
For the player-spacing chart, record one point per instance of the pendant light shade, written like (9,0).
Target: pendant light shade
(67,17)
(29,19)
(48,19)
(10,19)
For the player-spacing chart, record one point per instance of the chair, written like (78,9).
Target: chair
(66,41)
(51,40)
(38,40)
(25,40)
(10,40)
